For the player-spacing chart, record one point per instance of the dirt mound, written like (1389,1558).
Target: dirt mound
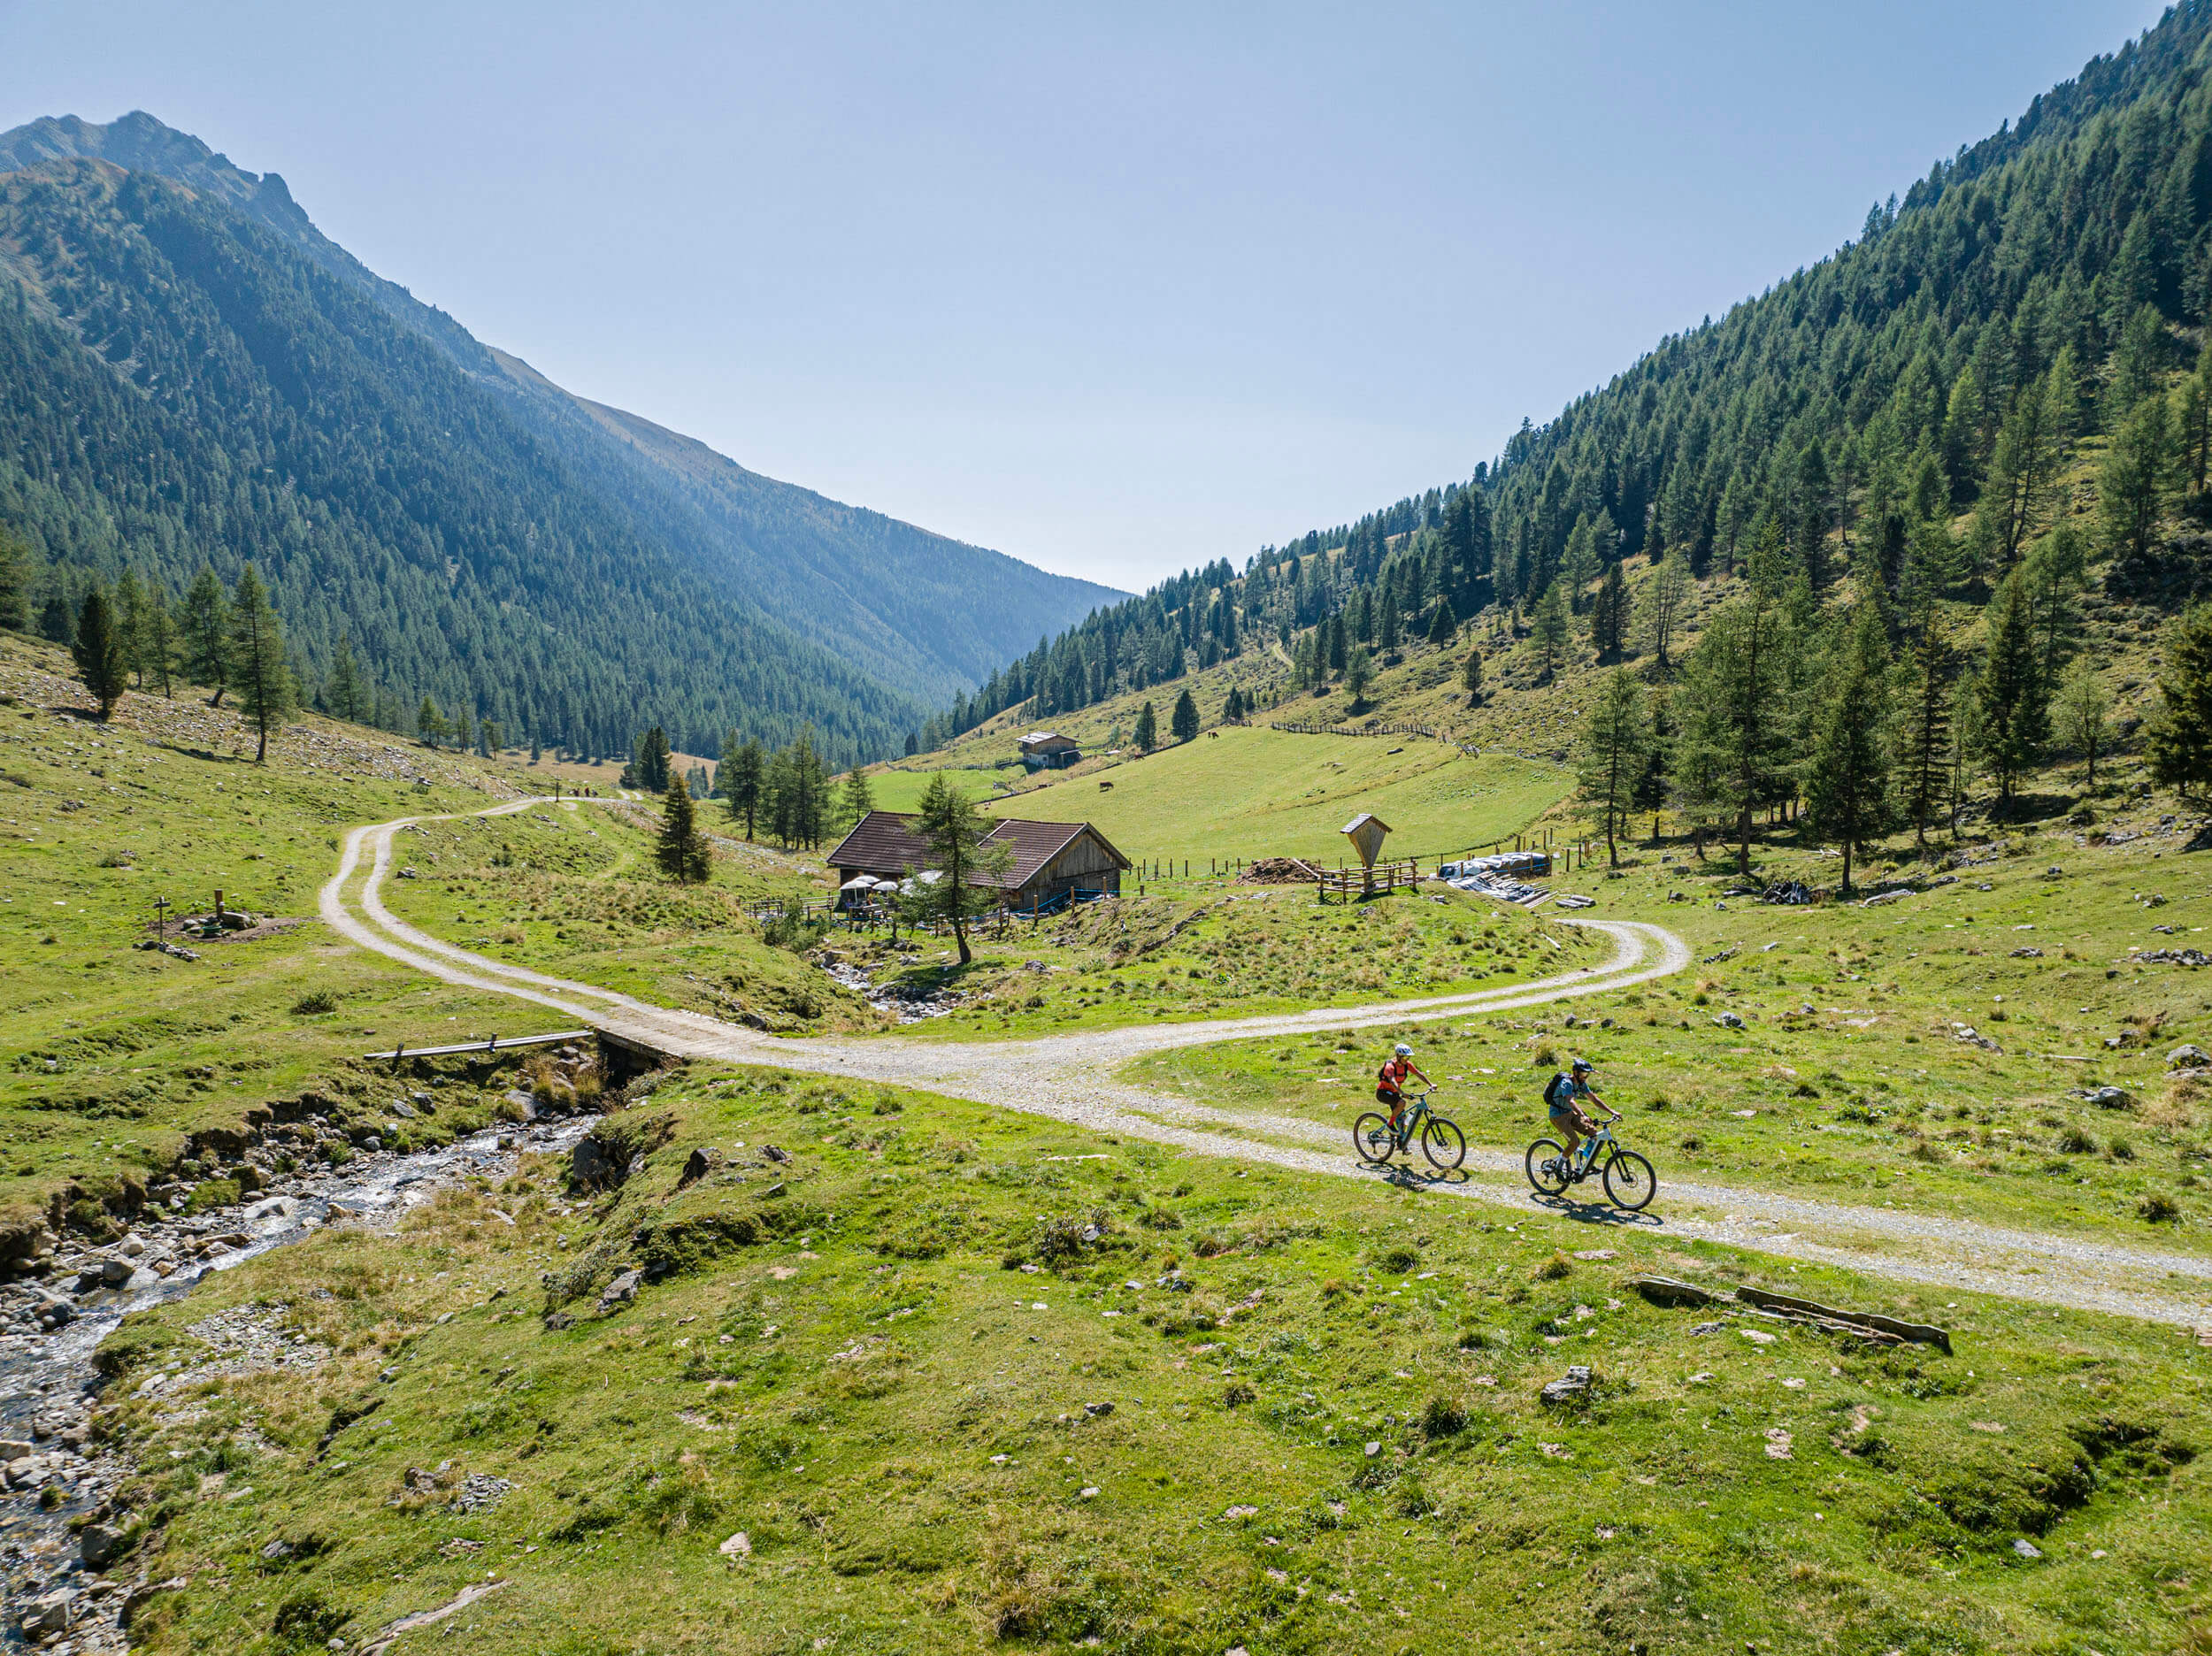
(1279,871)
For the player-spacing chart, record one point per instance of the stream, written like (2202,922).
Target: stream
(54,1473)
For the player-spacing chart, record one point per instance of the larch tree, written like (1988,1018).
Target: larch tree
(2180,740)
(158,645)
(1550,632)
(1614,743)
(430,725)
(2078,714)
(1359,675)
(342,690)
(1738,721)
(857,797)
(1443,624)
(1471,677)
(2011,699)
(741,777)
(206,628)
(101,666)
(2132,487)
(1847,783)
(1608,613)
(257,667)
(129,615)
(1147,734)
(1665,596)
(1924,727)
(966,866)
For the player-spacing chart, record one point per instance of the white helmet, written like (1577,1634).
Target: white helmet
(1404,1051)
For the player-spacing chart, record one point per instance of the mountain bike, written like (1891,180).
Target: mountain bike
(1628,1178)
(1375,1140)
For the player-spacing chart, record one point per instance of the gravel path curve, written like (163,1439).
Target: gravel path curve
(1072,1078)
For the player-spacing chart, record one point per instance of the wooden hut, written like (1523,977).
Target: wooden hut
(1052,862)
(1048,750)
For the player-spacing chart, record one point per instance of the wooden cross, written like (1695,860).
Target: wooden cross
(161,918)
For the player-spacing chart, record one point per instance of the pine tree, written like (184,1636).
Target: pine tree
(430,724)
(1336,650)
(1443,624)
(1147,735)
(2078,712)
(56,624)
(743,777)
(1471,677)
(1847,784)
(2180,740)
(2054,572)
(1653,785)
(343,689)
(1550,632)
(946,820)
(681,851)
(1388,629)
(1184,721)
(2011,698)
(650,767)
(1616,740)
(1232,706)
(257,667)
(98,650)
(207,634)
(1608,613)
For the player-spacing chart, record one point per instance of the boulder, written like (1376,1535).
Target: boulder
(1571,1387)
(594,1166)
(48,1616)
(621,1291)
(115,1272)
(101,1545)
(2188,1056)
(274,1207)
(1729,1020)
(701,1162)
(2110,1098)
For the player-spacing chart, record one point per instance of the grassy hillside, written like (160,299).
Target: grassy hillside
(909,1404)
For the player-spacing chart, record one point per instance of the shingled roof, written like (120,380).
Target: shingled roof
(884,843)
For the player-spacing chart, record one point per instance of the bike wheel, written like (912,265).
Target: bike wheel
(1630,1181)
(1442,1142)
(1372,1140)
(1546,1166)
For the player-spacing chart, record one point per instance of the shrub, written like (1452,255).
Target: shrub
(2158,1208)
(1443,1417)
(2073,1141)
(1238,1392)
(314,1003)
(1556,1268)
(1397,1261)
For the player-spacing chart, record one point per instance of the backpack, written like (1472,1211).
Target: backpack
(1561,1083)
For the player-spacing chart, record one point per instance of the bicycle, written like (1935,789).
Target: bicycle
(1374,1140)
(1628,1177)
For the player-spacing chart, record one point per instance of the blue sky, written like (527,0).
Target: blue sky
(1116,289)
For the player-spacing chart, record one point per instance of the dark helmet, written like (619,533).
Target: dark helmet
(1581,1066)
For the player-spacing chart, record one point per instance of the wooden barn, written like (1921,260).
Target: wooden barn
(1048,750)
(1052,860)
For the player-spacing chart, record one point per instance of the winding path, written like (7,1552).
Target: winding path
(1072,1078)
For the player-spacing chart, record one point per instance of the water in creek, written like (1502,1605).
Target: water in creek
(49,1385)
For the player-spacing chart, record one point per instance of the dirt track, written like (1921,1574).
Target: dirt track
(1072,1078)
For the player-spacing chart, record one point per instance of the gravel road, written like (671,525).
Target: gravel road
(1072,1078)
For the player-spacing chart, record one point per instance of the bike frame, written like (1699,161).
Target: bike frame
(1410,1119)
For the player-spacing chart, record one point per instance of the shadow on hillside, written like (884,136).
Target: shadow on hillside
(1413,1179)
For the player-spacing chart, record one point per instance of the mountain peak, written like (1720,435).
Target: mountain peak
(142,143)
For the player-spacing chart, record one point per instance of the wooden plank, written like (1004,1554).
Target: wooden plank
(495,1044)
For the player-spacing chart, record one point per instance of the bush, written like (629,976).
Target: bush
(1238,1392)
(2073,1141)
(1556,1268)
(1443,1417)
(2158,1208)
(1397,1261)
(314,1003)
